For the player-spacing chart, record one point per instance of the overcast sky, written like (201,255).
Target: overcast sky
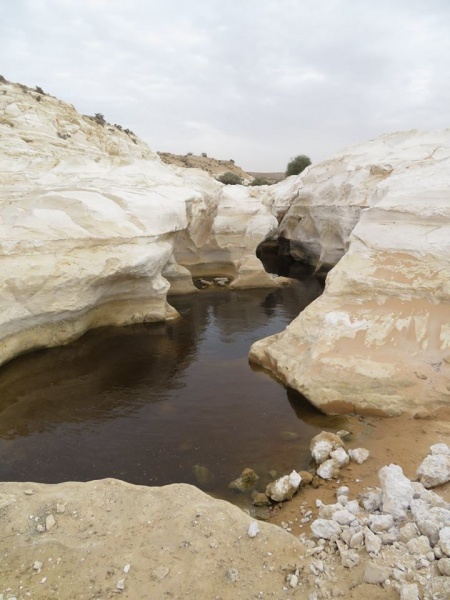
(259,81)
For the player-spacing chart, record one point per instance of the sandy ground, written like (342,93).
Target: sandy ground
(106,539)
(403,440)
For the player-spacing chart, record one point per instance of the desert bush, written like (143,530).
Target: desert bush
(189,154)
(230,178)
(99,118)
(204,155)
(297,165)
(39,90)
(259,181)
(2,79)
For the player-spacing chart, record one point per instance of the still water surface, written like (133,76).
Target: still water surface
(150,403)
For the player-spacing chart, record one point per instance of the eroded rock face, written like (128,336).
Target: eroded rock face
(378,340)
(89,221)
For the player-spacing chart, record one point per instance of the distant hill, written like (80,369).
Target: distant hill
(213,166)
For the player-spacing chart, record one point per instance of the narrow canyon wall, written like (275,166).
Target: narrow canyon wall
(378,340)
(95,229)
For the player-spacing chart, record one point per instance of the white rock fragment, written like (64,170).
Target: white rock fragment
(284,487)
(160,573)
(328,469)
(409,591)
(372,542)
(343,517)
(253,529)
(340,456)
(359,455)
(407,532)
(419,545)
(378,523)
(434,470)
(120,585)
(127,568)
(375,573)
(50,522)
(325,528)
(371,500)
(397,491)
(233,575)
(28,492)
(444,540)
(37,565)
(444,566)
(440,448)
(323,444)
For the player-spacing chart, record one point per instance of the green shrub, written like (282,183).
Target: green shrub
(230,178)
(297,165)
(204,155)
(39,90)
(259,181)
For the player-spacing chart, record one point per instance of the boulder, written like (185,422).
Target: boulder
(377,341)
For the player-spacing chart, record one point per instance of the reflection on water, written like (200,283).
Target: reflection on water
(152,403)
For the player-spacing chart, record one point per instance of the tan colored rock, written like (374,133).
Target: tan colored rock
(378,340)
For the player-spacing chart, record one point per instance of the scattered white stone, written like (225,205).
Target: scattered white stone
(160,573)
(60,508)
(378,523)
(372,542)
(408,532)
(375,574)
(349,558)
(343,517)
(357,539)
(409,591)
(284,487)
(127,568)
(397,491)
(371,500)
(50,522)
(28,492)
(120,585)
(440,449)
(253,529)
(434,470)
(328,469)
(353,507)
(359,455)
(342,491)
(40,528)
(325,528)
(340,456)
(233,575)
(37,565)
(444,566)
(323,445)
(444,540)
(44,579)
(419,545)
(292,579)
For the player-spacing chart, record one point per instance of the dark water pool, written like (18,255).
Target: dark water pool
(159,403)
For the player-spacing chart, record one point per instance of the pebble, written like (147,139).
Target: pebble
(160,573)
(127,568)
(120,585)
(28,492)
(37,565)
(375,574)
(233,575)
(50,522)
(253,529)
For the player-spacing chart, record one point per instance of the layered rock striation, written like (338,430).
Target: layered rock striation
(95,229)
(378,339)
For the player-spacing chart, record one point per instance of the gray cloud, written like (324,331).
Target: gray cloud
(257,81)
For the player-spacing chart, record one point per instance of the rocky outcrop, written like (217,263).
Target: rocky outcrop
(378,340)
(96,230)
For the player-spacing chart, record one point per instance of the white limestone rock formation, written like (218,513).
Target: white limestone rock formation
(378,340)
(90,218)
